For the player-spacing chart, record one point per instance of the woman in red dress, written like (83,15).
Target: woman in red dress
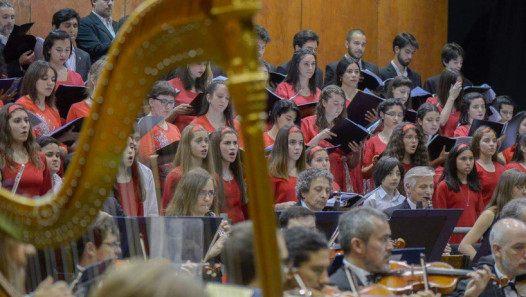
(18,148)
(407,144)
(460,187)
(56,50)
(300,83)
(284,112)
(192,152)
(448,100)
(329,112)
(473,108)
(81,109)
(485,146)
(518,160)
(231,188)
(189,81)
(287,160)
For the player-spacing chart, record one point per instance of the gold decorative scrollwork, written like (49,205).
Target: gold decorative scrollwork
(159,36)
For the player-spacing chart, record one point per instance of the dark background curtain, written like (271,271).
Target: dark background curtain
(493,35)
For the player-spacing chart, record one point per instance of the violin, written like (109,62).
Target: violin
(441,277)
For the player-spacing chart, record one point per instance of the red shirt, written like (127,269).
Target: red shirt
(170,185)
(203,121)
(78,110)
(285,90)
(129,200)
(516,166)
(509,152)
(373,146)
(233,204)
(461,131)
(74,79)
(407,167)
(452,121)
(284,190)
(49,116)
(184,97)
(34,181)
(489,180)
(267,140)
(466,199)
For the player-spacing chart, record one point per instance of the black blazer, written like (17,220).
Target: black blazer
(431,83)
(340,280)
(389,72)
(404,205)
(82,63)
(93,36)
(284,69)
(491,289)
(330,70)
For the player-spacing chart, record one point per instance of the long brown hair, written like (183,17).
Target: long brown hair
(326,94)
(449,77)
(36,71)
(209,94)
(137,179)
(183,156)
(475,142)
(200,83)
(396,148)
(279,158)
(236,166)
(6,141)
(502,194)
(187,192)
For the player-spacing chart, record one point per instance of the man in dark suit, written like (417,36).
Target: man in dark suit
(404,46)
(418,184)
(452,57)
(68,20)
(306,39)
(355,45)
(97,30)
(263,38)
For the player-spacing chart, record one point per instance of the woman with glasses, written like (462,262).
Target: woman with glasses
(216,110)
(56,50)
(391,112)
(512,184)
(407,145)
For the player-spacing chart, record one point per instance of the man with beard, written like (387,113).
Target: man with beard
(97,30)
(355,45)
(404,47)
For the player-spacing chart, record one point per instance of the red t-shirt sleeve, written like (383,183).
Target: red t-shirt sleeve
(441,195)
(170,185)
(461,131)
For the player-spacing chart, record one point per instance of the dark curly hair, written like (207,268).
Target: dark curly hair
(396,148)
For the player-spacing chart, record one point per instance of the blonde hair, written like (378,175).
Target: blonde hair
(183,156)
(8,268)
(94,72)
(147,280)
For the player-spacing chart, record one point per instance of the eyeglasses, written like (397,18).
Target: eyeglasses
(210,194)
(165,102)
(395,115)
(114,245)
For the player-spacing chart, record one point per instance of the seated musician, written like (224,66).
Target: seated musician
(418,184)
(297,216)
(313,188)
(365,239)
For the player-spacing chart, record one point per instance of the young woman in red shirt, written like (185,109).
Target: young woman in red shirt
(460,187)
(192,152)
(284,112)
(473,108)
(56,50)
(287,160)
(428,119)
(485,145)
(18,149)
(448,100)
(518,160)
(231,188)
(408,146)
(317,129)
(300,83)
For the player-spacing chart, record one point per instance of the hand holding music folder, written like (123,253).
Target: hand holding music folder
(275,78)
(370,81)
(73,126)
(346,132)
(511,130)
(438,142)
(360,105)
(497,127)
(197,104)
(68,95)
(9,84)
(19,42)
(306,109)
(419,97)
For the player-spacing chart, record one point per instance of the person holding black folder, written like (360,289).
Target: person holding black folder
(508,153)
(460,187)
(317,130)
(518,160)
(193,151)
(300,83)
(189,81)
(448,99)
(82,109)
(57,50)
(284,113)
(287,161)
(407,144)
(231,187)
(473,107)
(391,112)
(511,185)
(485,144)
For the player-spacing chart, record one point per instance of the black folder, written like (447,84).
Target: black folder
(68,95)
(197,104)
(346,200)
(9,83)
(19,42)
(437,142)
(511,129)
(307,109)
(167,153)
(410,116)
(362,103)
(419,97)
(276,78)
(347,131)
(370,81)
(497,127)
(76,124)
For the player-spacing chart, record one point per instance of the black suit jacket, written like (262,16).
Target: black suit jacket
(82,63)
(431,83)
(340,280)
(389,72)
(330,70)
(94,37)
(491,290)
(404,205)
(284,69)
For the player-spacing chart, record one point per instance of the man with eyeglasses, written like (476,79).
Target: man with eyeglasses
(161,100)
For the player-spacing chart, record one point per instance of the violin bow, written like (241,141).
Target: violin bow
(300,283)
(351,281)
(424,270)
(334,235)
